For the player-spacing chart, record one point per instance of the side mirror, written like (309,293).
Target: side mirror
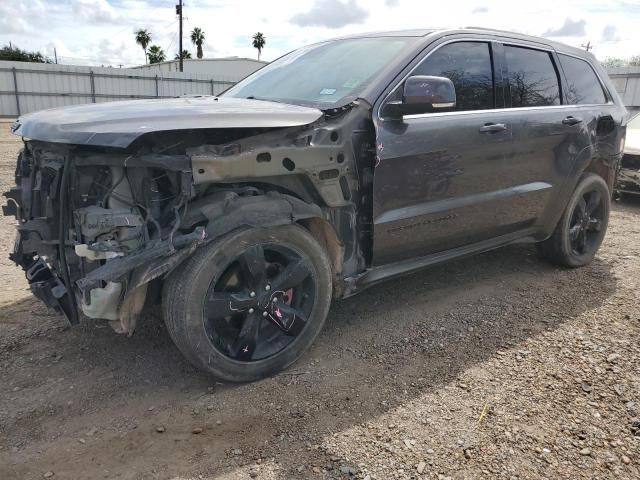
(423,94)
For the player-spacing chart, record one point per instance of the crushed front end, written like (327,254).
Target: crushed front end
(101,225)
(95,227)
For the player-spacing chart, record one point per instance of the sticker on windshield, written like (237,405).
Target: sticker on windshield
(327,91)
(351,84)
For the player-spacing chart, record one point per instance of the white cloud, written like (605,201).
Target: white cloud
(101,31)
(570,28)
(610,34)
(95,11)
(331,14)
(20,17)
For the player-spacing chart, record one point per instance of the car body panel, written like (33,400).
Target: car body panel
(435,184)
(447,186)
(118,124)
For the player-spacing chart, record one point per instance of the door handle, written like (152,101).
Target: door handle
(493,128)
(571,120)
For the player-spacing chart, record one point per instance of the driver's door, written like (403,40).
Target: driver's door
(437,181)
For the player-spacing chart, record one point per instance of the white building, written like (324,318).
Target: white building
(221,69)
(627,83)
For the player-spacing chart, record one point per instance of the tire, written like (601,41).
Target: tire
(564,247)
(212,283)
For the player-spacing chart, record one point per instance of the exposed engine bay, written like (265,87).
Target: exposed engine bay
(99,227)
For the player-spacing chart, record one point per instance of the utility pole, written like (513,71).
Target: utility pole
(587,46)
(55,54)
(179,13)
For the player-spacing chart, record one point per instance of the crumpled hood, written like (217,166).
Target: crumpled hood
(117,124)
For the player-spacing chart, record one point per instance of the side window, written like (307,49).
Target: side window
(533,80)
(468,65)
(583,86)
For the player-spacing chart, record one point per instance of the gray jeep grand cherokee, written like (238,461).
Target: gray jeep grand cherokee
(336,166)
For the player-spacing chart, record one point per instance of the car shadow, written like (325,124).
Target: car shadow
(410,335)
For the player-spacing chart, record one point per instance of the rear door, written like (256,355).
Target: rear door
(549,135)
(438,176)
(594,105)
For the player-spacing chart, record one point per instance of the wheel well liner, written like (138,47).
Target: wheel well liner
(224,211)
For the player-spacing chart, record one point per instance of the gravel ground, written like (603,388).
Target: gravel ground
(498,366)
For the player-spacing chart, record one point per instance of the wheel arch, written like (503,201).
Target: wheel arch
(222,212)
(605,168)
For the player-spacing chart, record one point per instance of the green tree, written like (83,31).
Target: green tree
(613,62)
(143,38)
(633,61)
(185,54)
(197,38)
(259,41)
(156,54)
(18,55)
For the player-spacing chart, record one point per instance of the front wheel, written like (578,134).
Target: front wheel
(251,303)
(582,227)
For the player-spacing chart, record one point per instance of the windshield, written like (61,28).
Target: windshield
(634,123)
(329,73)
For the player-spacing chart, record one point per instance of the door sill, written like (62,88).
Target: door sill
(375,275)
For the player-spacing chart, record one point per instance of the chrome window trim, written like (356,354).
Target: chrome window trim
(505,42)
(493,110)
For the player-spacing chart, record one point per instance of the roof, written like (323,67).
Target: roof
(479,30)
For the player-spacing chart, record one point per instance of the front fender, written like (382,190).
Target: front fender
(223,212)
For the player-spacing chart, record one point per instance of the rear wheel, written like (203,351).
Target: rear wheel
(250,303)
(582,227)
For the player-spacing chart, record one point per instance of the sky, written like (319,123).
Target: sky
(101,32)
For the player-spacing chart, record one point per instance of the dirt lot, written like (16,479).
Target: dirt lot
(498,366)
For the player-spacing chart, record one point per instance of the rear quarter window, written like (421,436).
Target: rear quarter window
(583,85)
(533,79)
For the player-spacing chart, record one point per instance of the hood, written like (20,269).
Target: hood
(117,124)
(632,142)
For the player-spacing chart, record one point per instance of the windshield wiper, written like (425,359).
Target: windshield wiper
(251,97)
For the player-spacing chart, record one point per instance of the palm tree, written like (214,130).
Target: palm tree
(185,54)
(259,41)
(143,38)
(197,38)
(156,54)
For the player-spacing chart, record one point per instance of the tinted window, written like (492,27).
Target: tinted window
(468,65)
(583,86)
(533,80)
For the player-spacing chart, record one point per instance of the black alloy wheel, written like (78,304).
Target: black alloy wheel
(586,223)
(249,303)
(581,229)
(260,303)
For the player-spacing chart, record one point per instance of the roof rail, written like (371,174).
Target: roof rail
(493,29)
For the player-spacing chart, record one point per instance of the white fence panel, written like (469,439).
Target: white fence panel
(27,87)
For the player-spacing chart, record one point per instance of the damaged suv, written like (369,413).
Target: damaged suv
(336,166)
